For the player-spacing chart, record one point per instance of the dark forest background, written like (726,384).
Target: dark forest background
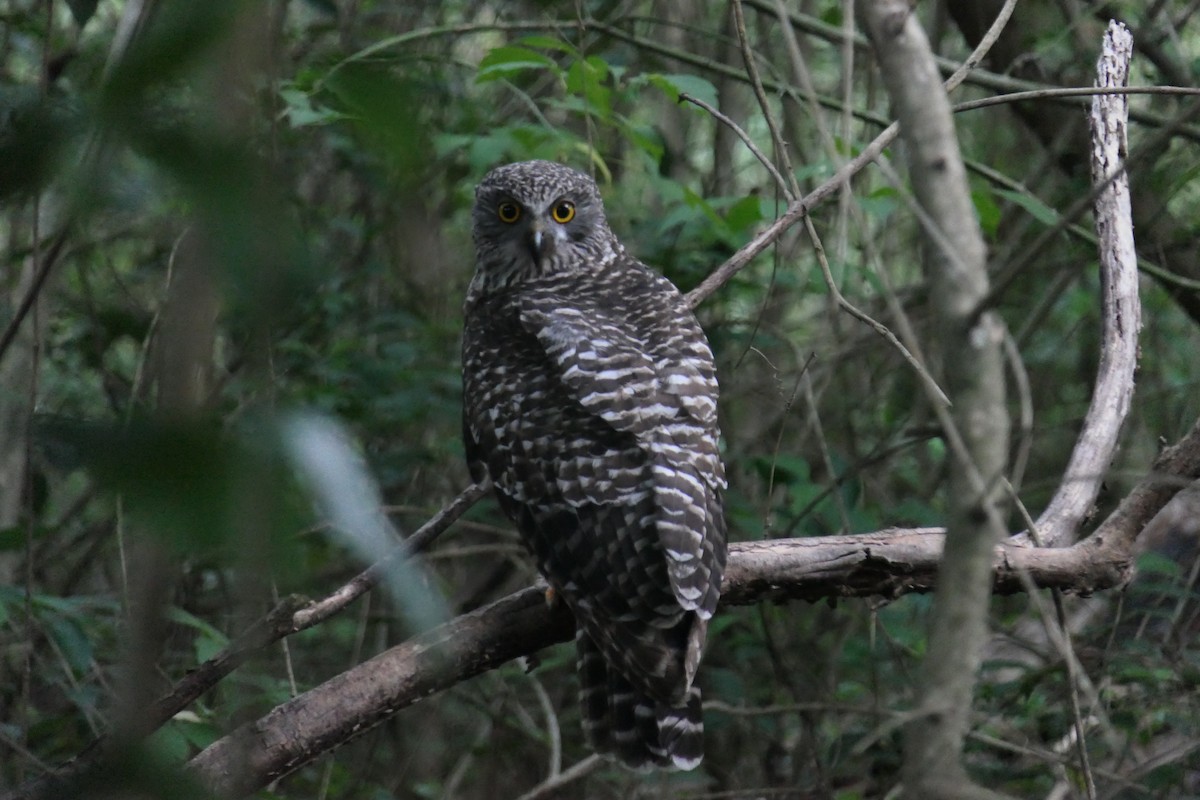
(243,232)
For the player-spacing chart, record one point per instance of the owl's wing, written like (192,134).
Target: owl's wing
(667,402)
(615,375)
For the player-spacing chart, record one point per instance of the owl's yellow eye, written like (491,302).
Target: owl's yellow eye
(508,212)
(563,212)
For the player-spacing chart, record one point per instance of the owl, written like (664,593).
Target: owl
(590,401)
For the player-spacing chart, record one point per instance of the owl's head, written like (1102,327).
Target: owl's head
(538,217)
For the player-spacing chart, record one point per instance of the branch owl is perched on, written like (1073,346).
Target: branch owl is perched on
(591,403)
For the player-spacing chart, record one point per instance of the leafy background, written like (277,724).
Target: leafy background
(256,210)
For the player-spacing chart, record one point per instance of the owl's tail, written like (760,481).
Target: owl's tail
(639,731)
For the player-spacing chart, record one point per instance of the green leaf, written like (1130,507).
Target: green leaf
(181,617)
(1036,208)
(502,62)
(300,110)
(16,536)
(547,43)
(33,134)
(745,213)
(675,85)
(169,743)
(586,78)
(880,203)
(987,211)
(381,108)
(71,641)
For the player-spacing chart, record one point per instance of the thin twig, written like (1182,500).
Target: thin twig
(553,730)
(739,22)
(930,383)
(738,261)
(1073,91)
(48,260)
(569,775)
(1025,408)
(842,302)
(366,580)
(985,45)
(746,140)
(1073,671)
(796,209)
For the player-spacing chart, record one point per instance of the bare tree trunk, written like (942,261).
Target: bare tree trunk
(977,428)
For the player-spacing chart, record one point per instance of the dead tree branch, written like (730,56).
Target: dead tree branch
(886,563)
(1097,441)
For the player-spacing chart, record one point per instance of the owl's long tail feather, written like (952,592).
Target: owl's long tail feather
(637,730)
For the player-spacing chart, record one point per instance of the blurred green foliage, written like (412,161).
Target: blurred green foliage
(264,207)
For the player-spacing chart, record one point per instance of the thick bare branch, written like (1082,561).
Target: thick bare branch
(886,563)
(1097,441)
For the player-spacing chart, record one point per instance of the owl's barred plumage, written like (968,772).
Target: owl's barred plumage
(590,400)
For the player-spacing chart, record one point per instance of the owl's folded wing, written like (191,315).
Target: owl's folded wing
(616,375)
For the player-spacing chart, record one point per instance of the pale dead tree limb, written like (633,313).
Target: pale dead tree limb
(1097,441)
(972,352)
(1111,398)
(887,563)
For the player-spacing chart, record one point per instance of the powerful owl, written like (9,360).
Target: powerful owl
(590,400)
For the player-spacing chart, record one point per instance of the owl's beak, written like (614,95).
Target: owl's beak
(540,243)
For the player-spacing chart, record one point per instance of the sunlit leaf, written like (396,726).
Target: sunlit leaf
(339,481)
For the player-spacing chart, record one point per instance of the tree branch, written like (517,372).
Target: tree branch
(1122,320)
(887,563)
(291,615)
